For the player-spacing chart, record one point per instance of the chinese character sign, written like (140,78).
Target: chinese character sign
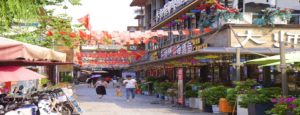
(265,38)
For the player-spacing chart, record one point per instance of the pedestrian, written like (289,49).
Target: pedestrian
(130,85)
(118,91)
(115,82)
(100,88)
(89,81)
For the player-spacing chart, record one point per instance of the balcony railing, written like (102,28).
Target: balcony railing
(157,20)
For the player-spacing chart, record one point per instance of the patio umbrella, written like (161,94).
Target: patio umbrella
(16,73)
(291,57)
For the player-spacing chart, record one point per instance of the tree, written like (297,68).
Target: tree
(16,16)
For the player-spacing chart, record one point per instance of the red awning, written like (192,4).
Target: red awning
(138,2)
(31,63)
(16,73)
(11,50)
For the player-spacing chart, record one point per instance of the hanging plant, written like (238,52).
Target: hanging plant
(227,15)
(269,15)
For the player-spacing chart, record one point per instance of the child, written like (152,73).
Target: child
(118,91)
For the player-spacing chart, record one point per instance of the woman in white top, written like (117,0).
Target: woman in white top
(100,88)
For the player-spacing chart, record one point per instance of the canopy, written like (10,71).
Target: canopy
(16,73)
(291,57)
(11,50)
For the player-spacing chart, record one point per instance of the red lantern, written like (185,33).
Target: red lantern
(49,33)
(62,33)
(206,30)
(72,35)
(82,34)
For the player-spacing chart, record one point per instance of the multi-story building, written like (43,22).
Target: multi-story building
(205,37)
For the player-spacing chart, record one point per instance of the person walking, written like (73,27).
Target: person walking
(101,88)
(130,85)
(118,91)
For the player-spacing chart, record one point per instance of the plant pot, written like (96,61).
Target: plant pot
(225,106)
(192,103)
(215,109)
(240,110)
(186,102)
(200,104)
(207,108)
(259,109)
(197,100)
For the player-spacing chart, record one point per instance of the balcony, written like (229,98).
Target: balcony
(171,13)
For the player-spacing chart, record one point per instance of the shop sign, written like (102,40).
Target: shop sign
(110,47)
(169,7)
(89,47)
(290,38)
(184,48)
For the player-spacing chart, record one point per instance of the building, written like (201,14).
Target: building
(206,38)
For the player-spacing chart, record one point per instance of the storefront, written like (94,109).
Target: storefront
(36,58)
(212,57)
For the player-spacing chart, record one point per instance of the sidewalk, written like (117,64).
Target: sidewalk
(112,105)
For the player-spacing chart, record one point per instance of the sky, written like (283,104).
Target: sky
(105,15)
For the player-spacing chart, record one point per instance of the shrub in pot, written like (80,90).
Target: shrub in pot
(191,96)
(212,95)
(259,100)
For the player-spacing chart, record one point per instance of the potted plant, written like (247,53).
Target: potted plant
(233,95)
(191,96)
(284,106)
(201,87)
(172,92)
(297,109)
(211,98)
(259,100)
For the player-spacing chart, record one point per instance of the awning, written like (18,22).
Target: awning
(138,3)
(31,63)
(221,50)
(291,57)
(11,50)
(16,73)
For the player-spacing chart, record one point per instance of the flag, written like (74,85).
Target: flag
(85,21)
(175,32)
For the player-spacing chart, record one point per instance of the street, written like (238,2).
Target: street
(113,105)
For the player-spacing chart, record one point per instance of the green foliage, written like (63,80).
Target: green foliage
(226,15)
(191,93)
(263,95)
(162,87)
(15,13)
(297,109)
(269,15)
(240,88)
(212,95)
(44,80)
(67,78)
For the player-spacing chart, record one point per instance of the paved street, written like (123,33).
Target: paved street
(112,105)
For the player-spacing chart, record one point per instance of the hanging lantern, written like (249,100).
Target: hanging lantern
(62,33)
(72,34)
(49,33)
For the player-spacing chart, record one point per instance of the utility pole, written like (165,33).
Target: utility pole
(283,69)
(238,64)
